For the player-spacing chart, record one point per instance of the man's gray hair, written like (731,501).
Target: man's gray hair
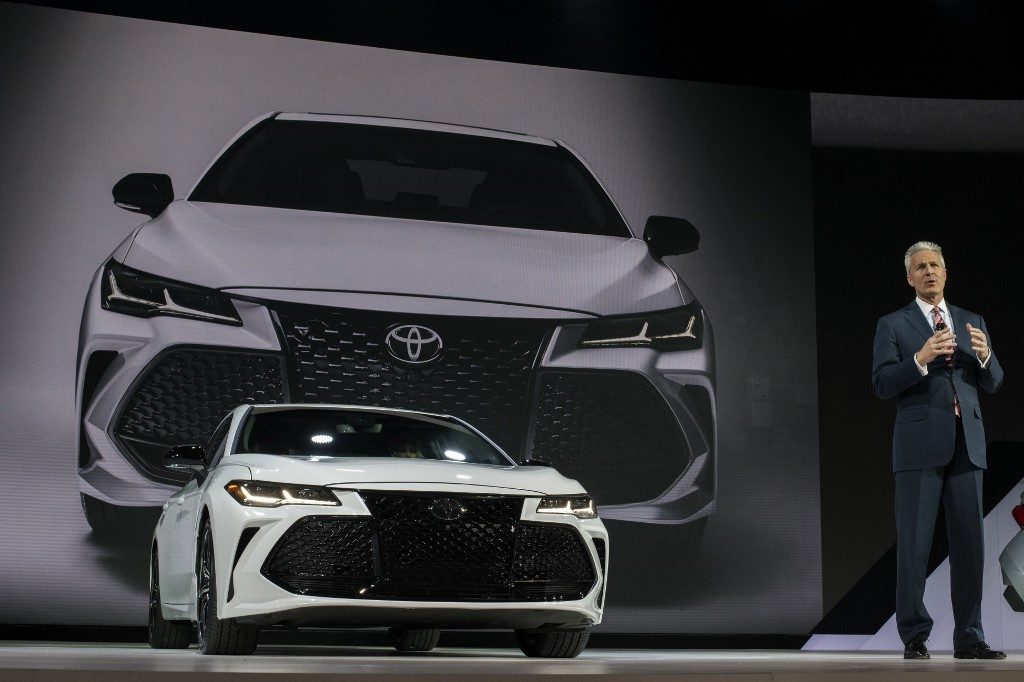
(922,246)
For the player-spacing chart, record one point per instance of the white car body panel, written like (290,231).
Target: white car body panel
(1011,564)
(1011,561)
(371,471)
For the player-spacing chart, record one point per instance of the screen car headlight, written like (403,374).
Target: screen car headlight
(581,507)
(135,293)
(667,330)
(264,494)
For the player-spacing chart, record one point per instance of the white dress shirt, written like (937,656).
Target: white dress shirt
(926,310)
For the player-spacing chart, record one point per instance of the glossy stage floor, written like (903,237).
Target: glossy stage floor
(21,660)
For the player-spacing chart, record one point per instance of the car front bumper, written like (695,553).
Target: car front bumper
(637,427)
(245,537)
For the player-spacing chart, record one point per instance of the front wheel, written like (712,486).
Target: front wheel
(164,634)
(415,639)
(216,636)
(556,644)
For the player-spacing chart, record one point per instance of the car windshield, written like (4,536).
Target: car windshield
(352,433)
(414,174)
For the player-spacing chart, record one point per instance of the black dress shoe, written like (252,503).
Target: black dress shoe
(979,650)
(916,648)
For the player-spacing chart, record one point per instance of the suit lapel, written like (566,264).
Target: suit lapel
(959,327)
(916,320)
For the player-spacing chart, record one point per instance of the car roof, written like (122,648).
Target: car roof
(415,124)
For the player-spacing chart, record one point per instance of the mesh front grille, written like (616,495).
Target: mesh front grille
(326,556)
(548,562)
(406,552)
(611,431)
(482,376)
(184,394)
(418,547)
(183,397)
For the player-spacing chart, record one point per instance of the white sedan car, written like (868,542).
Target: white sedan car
(341,516)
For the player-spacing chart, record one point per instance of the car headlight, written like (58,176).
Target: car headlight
(580,507)
(135,293)
(676,329)
(262,494)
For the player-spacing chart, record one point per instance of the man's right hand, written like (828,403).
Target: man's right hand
(941,342)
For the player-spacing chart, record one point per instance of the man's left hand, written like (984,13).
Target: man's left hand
(979,343)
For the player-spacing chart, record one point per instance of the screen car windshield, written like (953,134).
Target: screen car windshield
(343,433)
(412,174)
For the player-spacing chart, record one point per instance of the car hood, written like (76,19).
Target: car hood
(227,246)
(407,474)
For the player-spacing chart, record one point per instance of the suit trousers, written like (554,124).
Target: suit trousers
(918,492)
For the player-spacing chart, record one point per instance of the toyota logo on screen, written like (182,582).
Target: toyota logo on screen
(413,344)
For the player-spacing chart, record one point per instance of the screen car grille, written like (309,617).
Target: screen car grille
(184,393)
(405,552)
(611,431)
(482,375)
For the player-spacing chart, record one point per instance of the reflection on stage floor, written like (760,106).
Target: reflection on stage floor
(85,661)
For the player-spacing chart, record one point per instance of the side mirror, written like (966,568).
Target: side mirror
(667,236)
(148,193)
(533,463)
(189,457)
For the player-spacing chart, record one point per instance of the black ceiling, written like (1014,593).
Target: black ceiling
(915,48)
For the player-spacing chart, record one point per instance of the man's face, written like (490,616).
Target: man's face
(927,274)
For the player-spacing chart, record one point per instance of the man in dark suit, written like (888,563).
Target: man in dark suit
(933,357)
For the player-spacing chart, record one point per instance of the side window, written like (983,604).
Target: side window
(218,442)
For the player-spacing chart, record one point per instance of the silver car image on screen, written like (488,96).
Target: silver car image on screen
(403,264)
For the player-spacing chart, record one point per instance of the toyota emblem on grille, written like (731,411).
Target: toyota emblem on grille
(413,344)
(446,509)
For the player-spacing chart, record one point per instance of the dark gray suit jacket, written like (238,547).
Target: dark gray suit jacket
(925,422)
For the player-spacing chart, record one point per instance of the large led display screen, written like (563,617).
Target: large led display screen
(504,243)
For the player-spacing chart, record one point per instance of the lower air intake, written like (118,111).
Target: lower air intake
(182,396)
(611,431)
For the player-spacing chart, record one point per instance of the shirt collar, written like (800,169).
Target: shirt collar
(926,308)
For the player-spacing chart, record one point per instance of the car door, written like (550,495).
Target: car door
(185,512)
(167,534)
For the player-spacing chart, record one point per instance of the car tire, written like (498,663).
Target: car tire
(557,644)
(164,634)
(415,639)
(221,637)
(111,522)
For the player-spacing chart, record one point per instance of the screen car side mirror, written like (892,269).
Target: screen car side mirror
(186,457)
(666,236)
(148,193)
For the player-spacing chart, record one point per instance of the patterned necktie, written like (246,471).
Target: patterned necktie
(940,323)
